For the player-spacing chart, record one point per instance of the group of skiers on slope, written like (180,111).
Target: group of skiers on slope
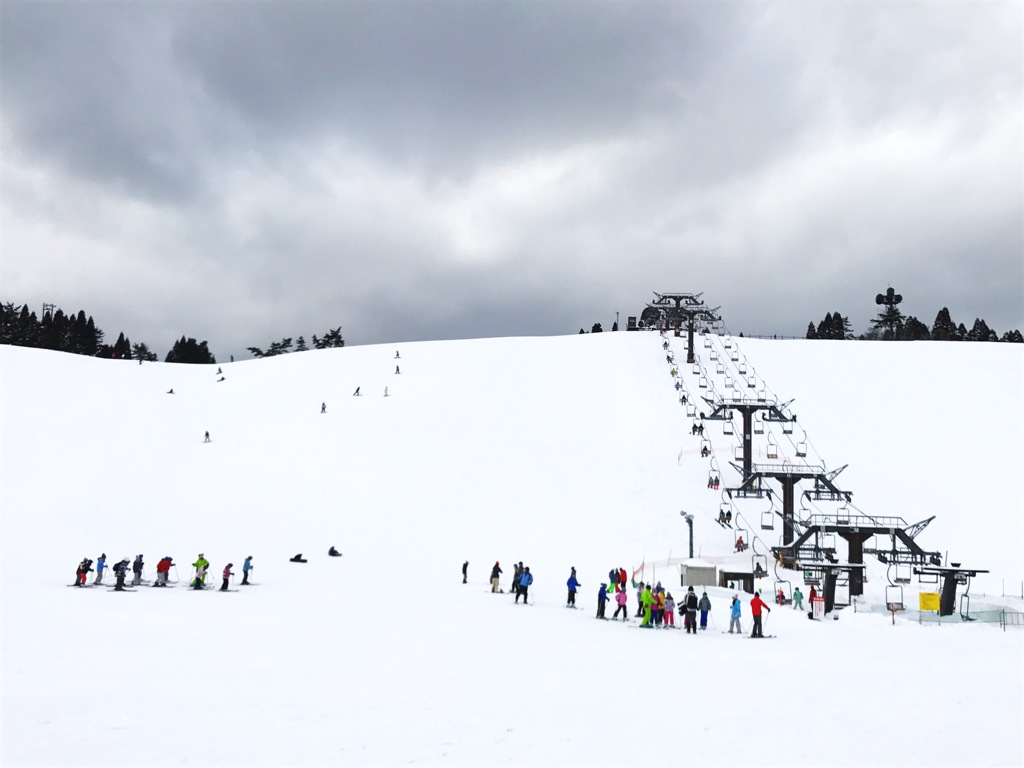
(357,393)
(163,568)
(521,579)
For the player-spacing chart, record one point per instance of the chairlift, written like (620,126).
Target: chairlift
(714,355)
(801,449)
(728,343)
(772,450)
(691,410)
(787,427)
(741,536)
(751,382)
(759,560)
(727,428)
(725,511)
(702,382)
(743,368)
(729,383)
(735,356)
(894,597)
(707,343)
(927,578)
(787,591)
(738,453)
(705,447)
(768,520)
(762,394)
(720,369)
(828,541)
(903,574)
(758,426)
(696,369)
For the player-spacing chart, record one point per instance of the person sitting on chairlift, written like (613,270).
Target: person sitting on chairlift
(704,452)
(728,517)
(740,546)
(759,571)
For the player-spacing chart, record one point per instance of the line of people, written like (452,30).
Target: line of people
(163,567)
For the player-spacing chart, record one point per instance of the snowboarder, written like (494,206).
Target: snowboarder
(120,573)
(201,564)
(704,605)
(298,559)
(227,575)
(323,407)
(100,565)
(465,571)
(333,552)
(756,605)
(798,599)
(524,585)
(620,599)
(734,616)
(356,393)
(170,391)
(206,437)
(495,574)
(246,567)
(573,585)
(602,598)
(137,571)
(691,602)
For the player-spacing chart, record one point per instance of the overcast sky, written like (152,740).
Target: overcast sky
(242,172)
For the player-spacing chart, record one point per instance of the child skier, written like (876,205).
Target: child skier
(602,598)
(573,585)
(100,565)
(120,573)
(670,611)
(705,607)
(201,564)
(734,619)
(620,598)
(227,575)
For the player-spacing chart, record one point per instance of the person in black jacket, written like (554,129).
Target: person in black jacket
(495,574)
(465,571)
(120,572)
(690,602)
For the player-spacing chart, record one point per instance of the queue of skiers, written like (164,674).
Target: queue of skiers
(163,567)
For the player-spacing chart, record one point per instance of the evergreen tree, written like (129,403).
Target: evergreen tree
(332,339)
(615,326)
(890,322)
(915,330)
(943,329)
(142,352)
(276,348)
(597,328)
(300,345)
(1014,337)
(981,332)
(825,327)
(961,333)
(190,351)
(811,332)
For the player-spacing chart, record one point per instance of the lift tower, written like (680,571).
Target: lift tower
(672,309)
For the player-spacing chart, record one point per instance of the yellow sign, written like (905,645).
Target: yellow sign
(929,601)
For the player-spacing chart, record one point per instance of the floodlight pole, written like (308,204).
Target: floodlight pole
(689,522)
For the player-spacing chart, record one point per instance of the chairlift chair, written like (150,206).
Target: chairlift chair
(741,534)
(903,573)
(738,453)
(768,520)
(743,368)
(728,343)
(705,447)
(720,369)
(702,383)
(714,355)
(735,356)
(691,410)
(751,382)
(787,427)
(801,449)
(772,451)
(729,383)
(756,560)
(707,343)
(762,394)
(727,428)
(894,597)
(787,591)
(758,426)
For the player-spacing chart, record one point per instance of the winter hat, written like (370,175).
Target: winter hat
(689,589)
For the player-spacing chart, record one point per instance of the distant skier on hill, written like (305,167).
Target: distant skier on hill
(602,599)
(573,585)
(356,393)
(465,571)
(227,575)
(397,370)
(246,567)
(495,574)
(323,407)
(206,437)
(397,356)
(298,559)
(333,552)
(524,585)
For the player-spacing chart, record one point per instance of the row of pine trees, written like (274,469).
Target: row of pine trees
(78,334)
(891,324)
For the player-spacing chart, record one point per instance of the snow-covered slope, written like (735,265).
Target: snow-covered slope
(567,451)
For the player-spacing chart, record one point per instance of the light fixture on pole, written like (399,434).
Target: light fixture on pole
(689,522)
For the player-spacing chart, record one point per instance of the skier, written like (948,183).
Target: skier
(201,564)
(170,391)
(602,598)
(622,580)
(524,585)
(298,559)
(100,565)
(691,603)
(798,599)
(646,600)
(397,356)
(573,585)
(162,569)
(639,599)
(397,370)
(517,573)
(465,571)
(705,607)
(755,610)
(386,392)
(227,575)
(323,407)
(83,568)
(246,567)
(620,598)
(734,618)
(333,552)
(659,606)
(495,573)
(206,437)
(356,393)
(670,611)
(120,572)
(137,571)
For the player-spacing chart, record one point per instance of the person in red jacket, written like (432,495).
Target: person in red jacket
(162,569)
(756,604)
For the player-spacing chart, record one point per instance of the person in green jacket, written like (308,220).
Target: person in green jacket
(647,599)
(798,599)
(200,565)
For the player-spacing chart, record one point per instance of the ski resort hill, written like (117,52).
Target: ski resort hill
(557,452)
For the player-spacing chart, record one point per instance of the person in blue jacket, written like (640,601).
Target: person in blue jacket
(524,585)
(573,585)
(734,620)
(602,598)
(246,567)
(100,565)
